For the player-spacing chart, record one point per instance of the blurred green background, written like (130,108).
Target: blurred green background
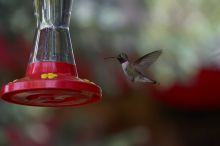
(187,31)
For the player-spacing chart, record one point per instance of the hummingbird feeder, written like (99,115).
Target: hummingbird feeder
(51,78)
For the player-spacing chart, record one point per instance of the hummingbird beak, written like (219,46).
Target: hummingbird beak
(109,58)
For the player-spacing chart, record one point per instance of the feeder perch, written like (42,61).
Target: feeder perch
(51,78)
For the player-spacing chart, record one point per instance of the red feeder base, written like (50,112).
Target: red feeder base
(51,84)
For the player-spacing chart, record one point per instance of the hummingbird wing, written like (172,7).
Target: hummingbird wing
(145,61)
(136,76)
(144,79)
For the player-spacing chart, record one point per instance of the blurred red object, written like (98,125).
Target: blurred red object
(201,94)
(13,54)
(6,61)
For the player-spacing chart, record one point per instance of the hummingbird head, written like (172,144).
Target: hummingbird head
(122,57)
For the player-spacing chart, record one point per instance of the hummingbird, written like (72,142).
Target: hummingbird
(136,71)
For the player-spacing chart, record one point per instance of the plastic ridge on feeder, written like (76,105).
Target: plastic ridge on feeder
(51,78)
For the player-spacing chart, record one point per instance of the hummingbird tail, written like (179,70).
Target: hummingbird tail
(156,83)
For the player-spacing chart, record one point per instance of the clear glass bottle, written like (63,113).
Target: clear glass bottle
(52,50)
(52,40)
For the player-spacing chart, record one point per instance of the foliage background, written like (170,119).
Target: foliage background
(187,31)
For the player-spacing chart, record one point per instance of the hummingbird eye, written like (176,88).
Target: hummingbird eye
(123,55)
(122,58)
